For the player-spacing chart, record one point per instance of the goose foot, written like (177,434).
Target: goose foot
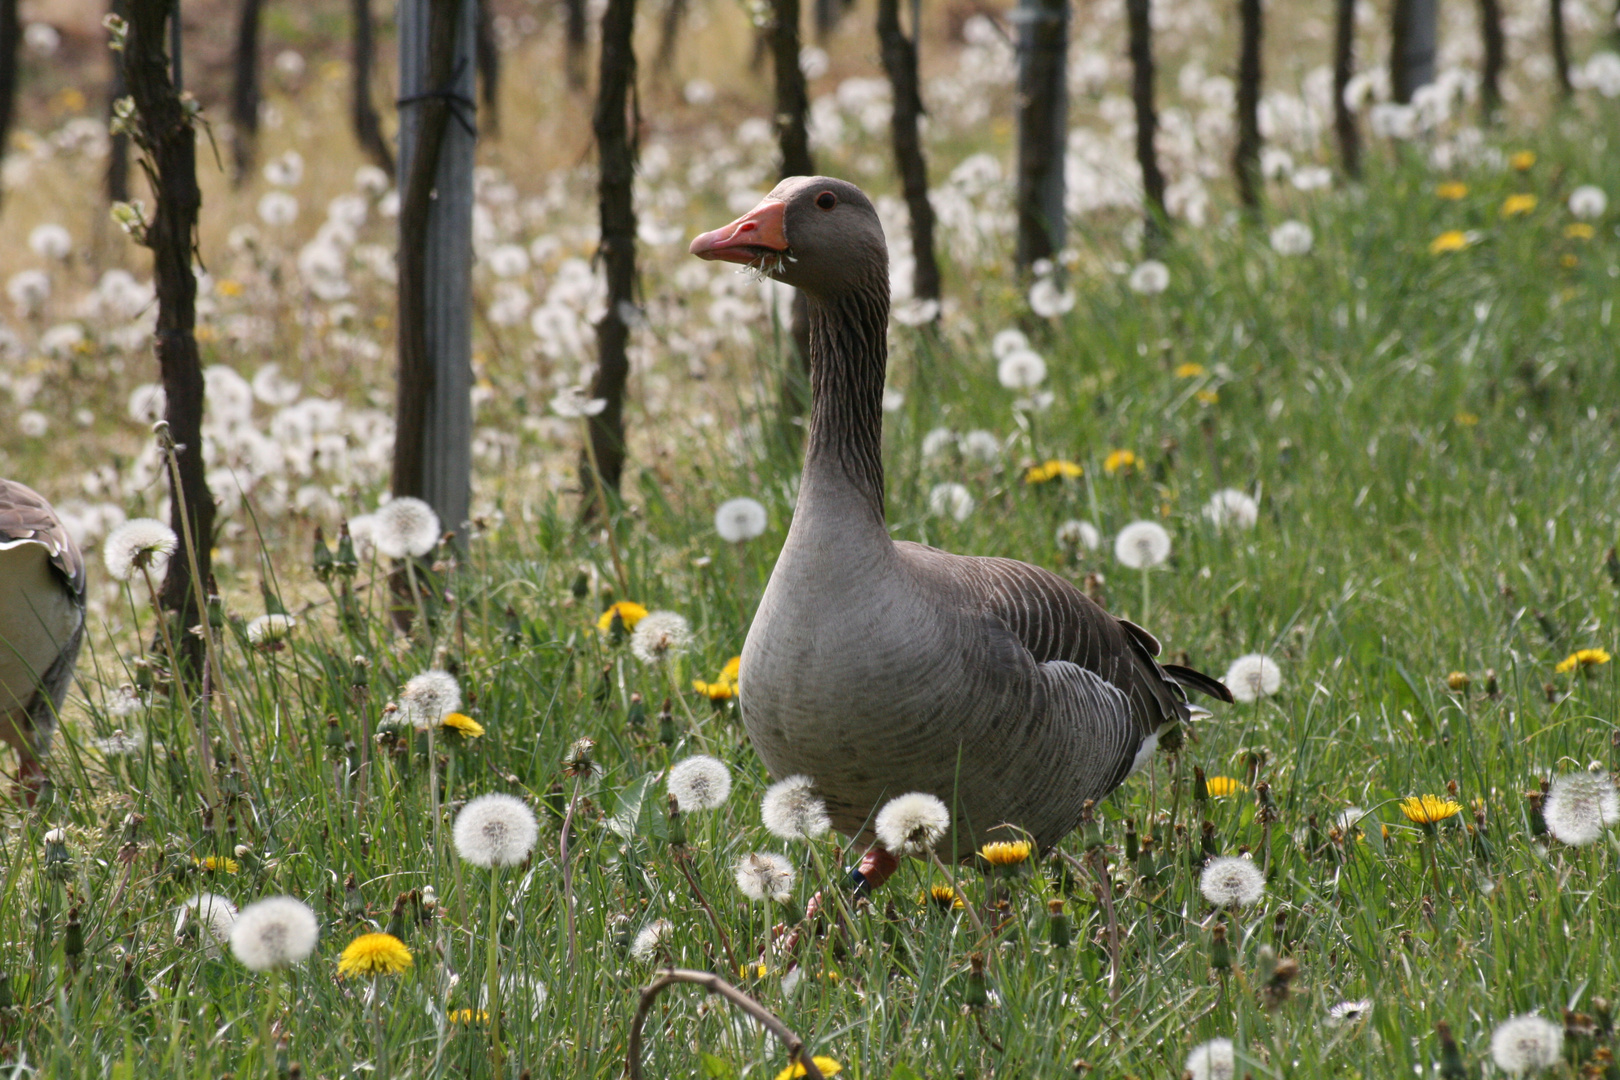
(876,866)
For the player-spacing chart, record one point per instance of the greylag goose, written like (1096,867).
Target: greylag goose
(878,667)
(41,625)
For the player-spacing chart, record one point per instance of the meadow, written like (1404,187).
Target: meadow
(1407,380)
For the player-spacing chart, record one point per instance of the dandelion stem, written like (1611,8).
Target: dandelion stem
(568,877)
(691,879)
(1147,595)
(714,984)
(416,594)
(607,511)
(950,879)
(492,975)
(1097,866)
(433,795)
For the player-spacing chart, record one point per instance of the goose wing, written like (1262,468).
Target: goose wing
(26,517)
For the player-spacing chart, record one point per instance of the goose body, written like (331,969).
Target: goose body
(879,667)
(42,586)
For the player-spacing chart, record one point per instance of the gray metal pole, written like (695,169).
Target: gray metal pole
(446,461)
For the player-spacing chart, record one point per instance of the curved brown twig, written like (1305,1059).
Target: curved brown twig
(714,984)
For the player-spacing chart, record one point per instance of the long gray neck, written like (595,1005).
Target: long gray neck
(849,353)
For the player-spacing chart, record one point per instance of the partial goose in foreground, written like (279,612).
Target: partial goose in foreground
(41,625)
(879,668)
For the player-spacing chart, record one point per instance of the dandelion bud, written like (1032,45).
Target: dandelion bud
(578,762)
(1603,1011)
(430,902)
(334,739)
(1147,865)
(1059,931)
(360,673)
(130,986)
(1538,822)
(6,999)
(1207,843)
(1131,847)
(1611,563)
(616,628)
(1451,1062)
(581,587)
(1492,690)
(666,725)
(1091,831)
(636,715)
(513,628)
(1200,786)
(1458,682)
(677,831)
(396,918)
(1268,807)
(321,559)
(1220,954)
(345,562)
(73,937)
(977,994)
(58,861)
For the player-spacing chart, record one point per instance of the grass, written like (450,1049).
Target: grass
(1432,442)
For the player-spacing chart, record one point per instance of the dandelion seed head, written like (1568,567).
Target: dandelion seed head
(1229,506)
(429,697)
(792,811)
(1232,881)
(938,442)
(1022,369)
(1073,535)
(1150,278)
(269,629)
(1292,238)
(214,913)
(50,241)
(912,824)
(1347,1012)
(1580,806)
(1252,677)
(405,528)
(495,830)
(273,933)
(1527,1043)
(1588,201)
(659,636)
(699,782)
(1142,545)
(142,542)
(1213,1060)
(651,939)
(1006,342)
(765,875)
(1048,299)
(573,402)
(740,519)
(953,500)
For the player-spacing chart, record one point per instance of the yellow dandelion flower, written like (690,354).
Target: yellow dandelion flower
(1005,853)
(374,954)
(1189,370)
(1465,419)
(1582,658)
(228,287)
(1452,189)
(1119,459)
(1207,397)
(943,896)
(759,970)
(1429,810)
(1051,469)
(1222,786)
(1523,160)
(1450,240)
(715,691)
(732,669)
(467,1016)
(1458,681)
(629,613)
(216,863)
(463,725)
(827,1066)
(1515,205)
(1579,230)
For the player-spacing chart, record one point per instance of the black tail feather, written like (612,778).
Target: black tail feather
(1197,680)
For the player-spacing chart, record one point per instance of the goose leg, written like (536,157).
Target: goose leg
(16,730)
(876,867)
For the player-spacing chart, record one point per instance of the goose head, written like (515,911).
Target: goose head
(815,233)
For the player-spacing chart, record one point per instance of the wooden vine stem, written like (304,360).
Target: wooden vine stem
(714,984)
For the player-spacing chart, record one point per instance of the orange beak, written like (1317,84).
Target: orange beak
(752,237)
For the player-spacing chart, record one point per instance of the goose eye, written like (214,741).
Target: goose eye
(826,200)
